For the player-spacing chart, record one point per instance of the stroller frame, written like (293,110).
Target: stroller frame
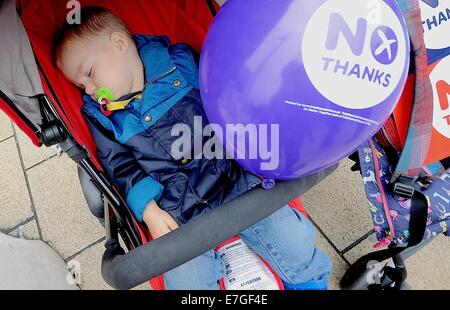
(125,270)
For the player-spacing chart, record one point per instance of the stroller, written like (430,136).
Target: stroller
(46,107)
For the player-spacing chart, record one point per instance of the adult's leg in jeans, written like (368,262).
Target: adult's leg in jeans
(286,240)
(200,273)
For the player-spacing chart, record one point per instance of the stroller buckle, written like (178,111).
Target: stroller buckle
(404,188)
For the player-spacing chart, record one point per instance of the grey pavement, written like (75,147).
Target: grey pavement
(41,199)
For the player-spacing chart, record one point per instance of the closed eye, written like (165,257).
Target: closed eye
(90,72)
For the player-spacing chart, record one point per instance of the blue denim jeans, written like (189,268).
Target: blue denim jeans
(285,239)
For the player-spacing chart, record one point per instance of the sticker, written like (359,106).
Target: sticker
(348,54)
(244,269)
(436,23)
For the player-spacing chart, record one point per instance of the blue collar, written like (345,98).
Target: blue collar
(155,56)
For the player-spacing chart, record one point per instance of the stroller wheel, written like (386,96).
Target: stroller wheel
(362,276)
(376,276)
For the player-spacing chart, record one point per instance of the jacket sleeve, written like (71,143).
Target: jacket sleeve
(123,169)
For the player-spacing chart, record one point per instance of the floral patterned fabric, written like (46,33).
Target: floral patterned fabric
(391,216)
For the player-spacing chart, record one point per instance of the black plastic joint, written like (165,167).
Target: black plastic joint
(404,187)
(52,134)
(73,150)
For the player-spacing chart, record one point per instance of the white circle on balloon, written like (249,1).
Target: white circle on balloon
(436,23)
(352,59)
(440,81)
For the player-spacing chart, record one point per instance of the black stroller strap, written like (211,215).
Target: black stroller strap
(417,227)
(419,217)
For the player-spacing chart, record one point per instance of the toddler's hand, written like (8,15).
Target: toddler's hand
(158,221)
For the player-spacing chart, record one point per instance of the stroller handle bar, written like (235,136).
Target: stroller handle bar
(125,271)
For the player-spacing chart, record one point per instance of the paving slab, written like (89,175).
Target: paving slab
(5,126)
(429,269)
(89,262)
(15,203)
(32,154)
(64,217)
(338,205)
(28,231)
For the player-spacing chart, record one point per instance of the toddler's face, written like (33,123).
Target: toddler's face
(103,61)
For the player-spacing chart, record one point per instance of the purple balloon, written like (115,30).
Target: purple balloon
(309,81)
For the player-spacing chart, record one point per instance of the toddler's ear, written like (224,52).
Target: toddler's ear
(120,42)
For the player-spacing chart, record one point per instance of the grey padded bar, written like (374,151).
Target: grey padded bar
(124,271)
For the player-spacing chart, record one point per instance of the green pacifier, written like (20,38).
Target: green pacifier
(104,92)
(104,96)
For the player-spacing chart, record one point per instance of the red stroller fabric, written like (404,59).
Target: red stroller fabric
(182,20)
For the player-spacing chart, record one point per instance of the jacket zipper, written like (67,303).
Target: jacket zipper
(148,83)
(160,76)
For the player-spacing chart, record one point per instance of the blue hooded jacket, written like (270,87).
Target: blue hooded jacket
(134,144)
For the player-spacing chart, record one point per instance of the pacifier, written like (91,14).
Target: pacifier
(104,96)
